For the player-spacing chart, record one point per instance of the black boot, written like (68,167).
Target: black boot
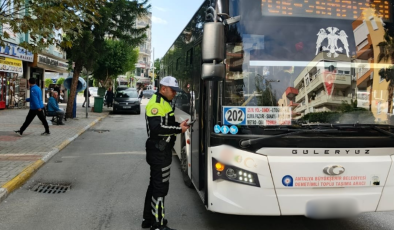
(161,228)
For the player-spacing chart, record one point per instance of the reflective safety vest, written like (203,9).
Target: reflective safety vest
(160,119)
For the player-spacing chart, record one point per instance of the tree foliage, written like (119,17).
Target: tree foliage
(45,20)
(116,20)
(60,81)
(157,66)
(47,82)
(387,54)
(117,58)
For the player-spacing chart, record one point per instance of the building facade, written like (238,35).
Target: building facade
(324,84)
(145,50)
(372,90)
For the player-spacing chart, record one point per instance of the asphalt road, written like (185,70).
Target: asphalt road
(109,176)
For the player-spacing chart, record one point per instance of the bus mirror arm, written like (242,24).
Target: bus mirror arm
(232,20)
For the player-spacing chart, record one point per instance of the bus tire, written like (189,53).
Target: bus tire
(184,169)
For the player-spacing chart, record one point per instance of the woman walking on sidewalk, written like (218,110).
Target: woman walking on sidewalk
(36,108)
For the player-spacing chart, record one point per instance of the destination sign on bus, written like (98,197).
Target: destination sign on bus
(343,9)
(257,115)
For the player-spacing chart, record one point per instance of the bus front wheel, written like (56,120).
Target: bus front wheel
(184,168)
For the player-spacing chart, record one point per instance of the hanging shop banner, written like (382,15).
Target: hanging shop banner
(17,52)
(11,65)
(256,115)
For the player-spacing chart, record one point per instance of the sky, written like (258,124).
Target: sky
(169,18)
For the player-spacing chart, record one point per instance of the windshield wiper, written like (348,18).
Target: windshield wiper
(321,128)
(357,126)
(291,132)
(370,126)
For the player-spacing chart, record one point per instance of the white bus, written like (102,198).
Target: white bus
(273,90)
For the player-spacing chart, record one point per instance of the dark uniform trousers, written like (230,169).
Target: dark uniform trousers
(160,163)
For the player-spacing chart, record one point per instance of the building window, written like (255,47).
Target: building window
(373,23)
(189,57)
(178,62)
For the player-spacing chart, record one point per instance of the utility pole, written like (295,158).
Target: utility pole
(87,98)
(154,76)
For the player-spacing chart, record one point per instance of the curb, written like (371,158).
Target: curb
(27,172)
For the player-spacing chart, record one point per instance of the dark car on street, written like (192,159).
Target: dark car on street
(148,93)
(126,101)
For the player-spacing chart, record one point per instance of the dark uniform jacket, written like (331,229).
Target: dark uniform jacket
(160,119)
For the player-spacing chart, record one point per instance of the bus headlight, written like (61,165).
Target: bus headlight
(233,174)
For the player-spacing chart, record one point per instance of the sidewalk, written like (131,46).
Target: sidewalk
(28,152)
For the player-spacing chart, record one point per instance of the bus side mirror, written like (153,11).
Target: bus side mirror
(213,42)
(213,52)
(213,72)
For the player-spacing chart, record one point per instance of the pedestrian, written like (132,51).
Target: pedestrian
(140,93)
(162,129)
(86,94)
(57,89)
(53,108)
(36,108)
(109,97)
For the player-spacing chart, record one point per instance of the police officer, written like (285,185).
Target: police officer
(162,129)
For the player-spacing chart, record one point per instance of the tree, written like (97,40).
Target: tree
(116,20)
(264,88)
(44,21)
(60,81)
(117,58)
(157,66)
(387,54)
(47,82)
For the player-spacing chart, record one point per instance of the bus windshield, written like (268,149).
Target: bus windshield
(310,62)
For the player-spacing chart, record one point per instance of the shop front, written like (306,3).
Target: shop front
(12,83)
(46,63)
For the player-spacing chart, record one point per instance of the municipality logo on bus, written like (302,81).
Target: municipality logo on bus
(332,37)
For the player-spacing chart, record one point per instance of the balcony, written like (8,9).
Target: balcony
(364,73)
(300,108)
(324,99)
(144,51)
(291,92)
(301,95)
(340,79)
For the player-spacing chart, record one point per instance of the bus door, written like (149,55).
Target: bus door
(197,159)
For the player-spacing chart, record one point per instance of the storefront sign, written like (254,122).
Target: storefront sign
(11,65)
(17,52)
(52,62)
(7,29)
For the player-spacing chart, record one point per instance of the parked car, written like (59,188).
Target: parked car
(148,93)
(126,101)
(121,88)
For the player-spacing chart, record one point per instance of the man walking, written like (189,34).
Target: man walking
(53,108)
(162,129)
(86,94)
(36,108)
